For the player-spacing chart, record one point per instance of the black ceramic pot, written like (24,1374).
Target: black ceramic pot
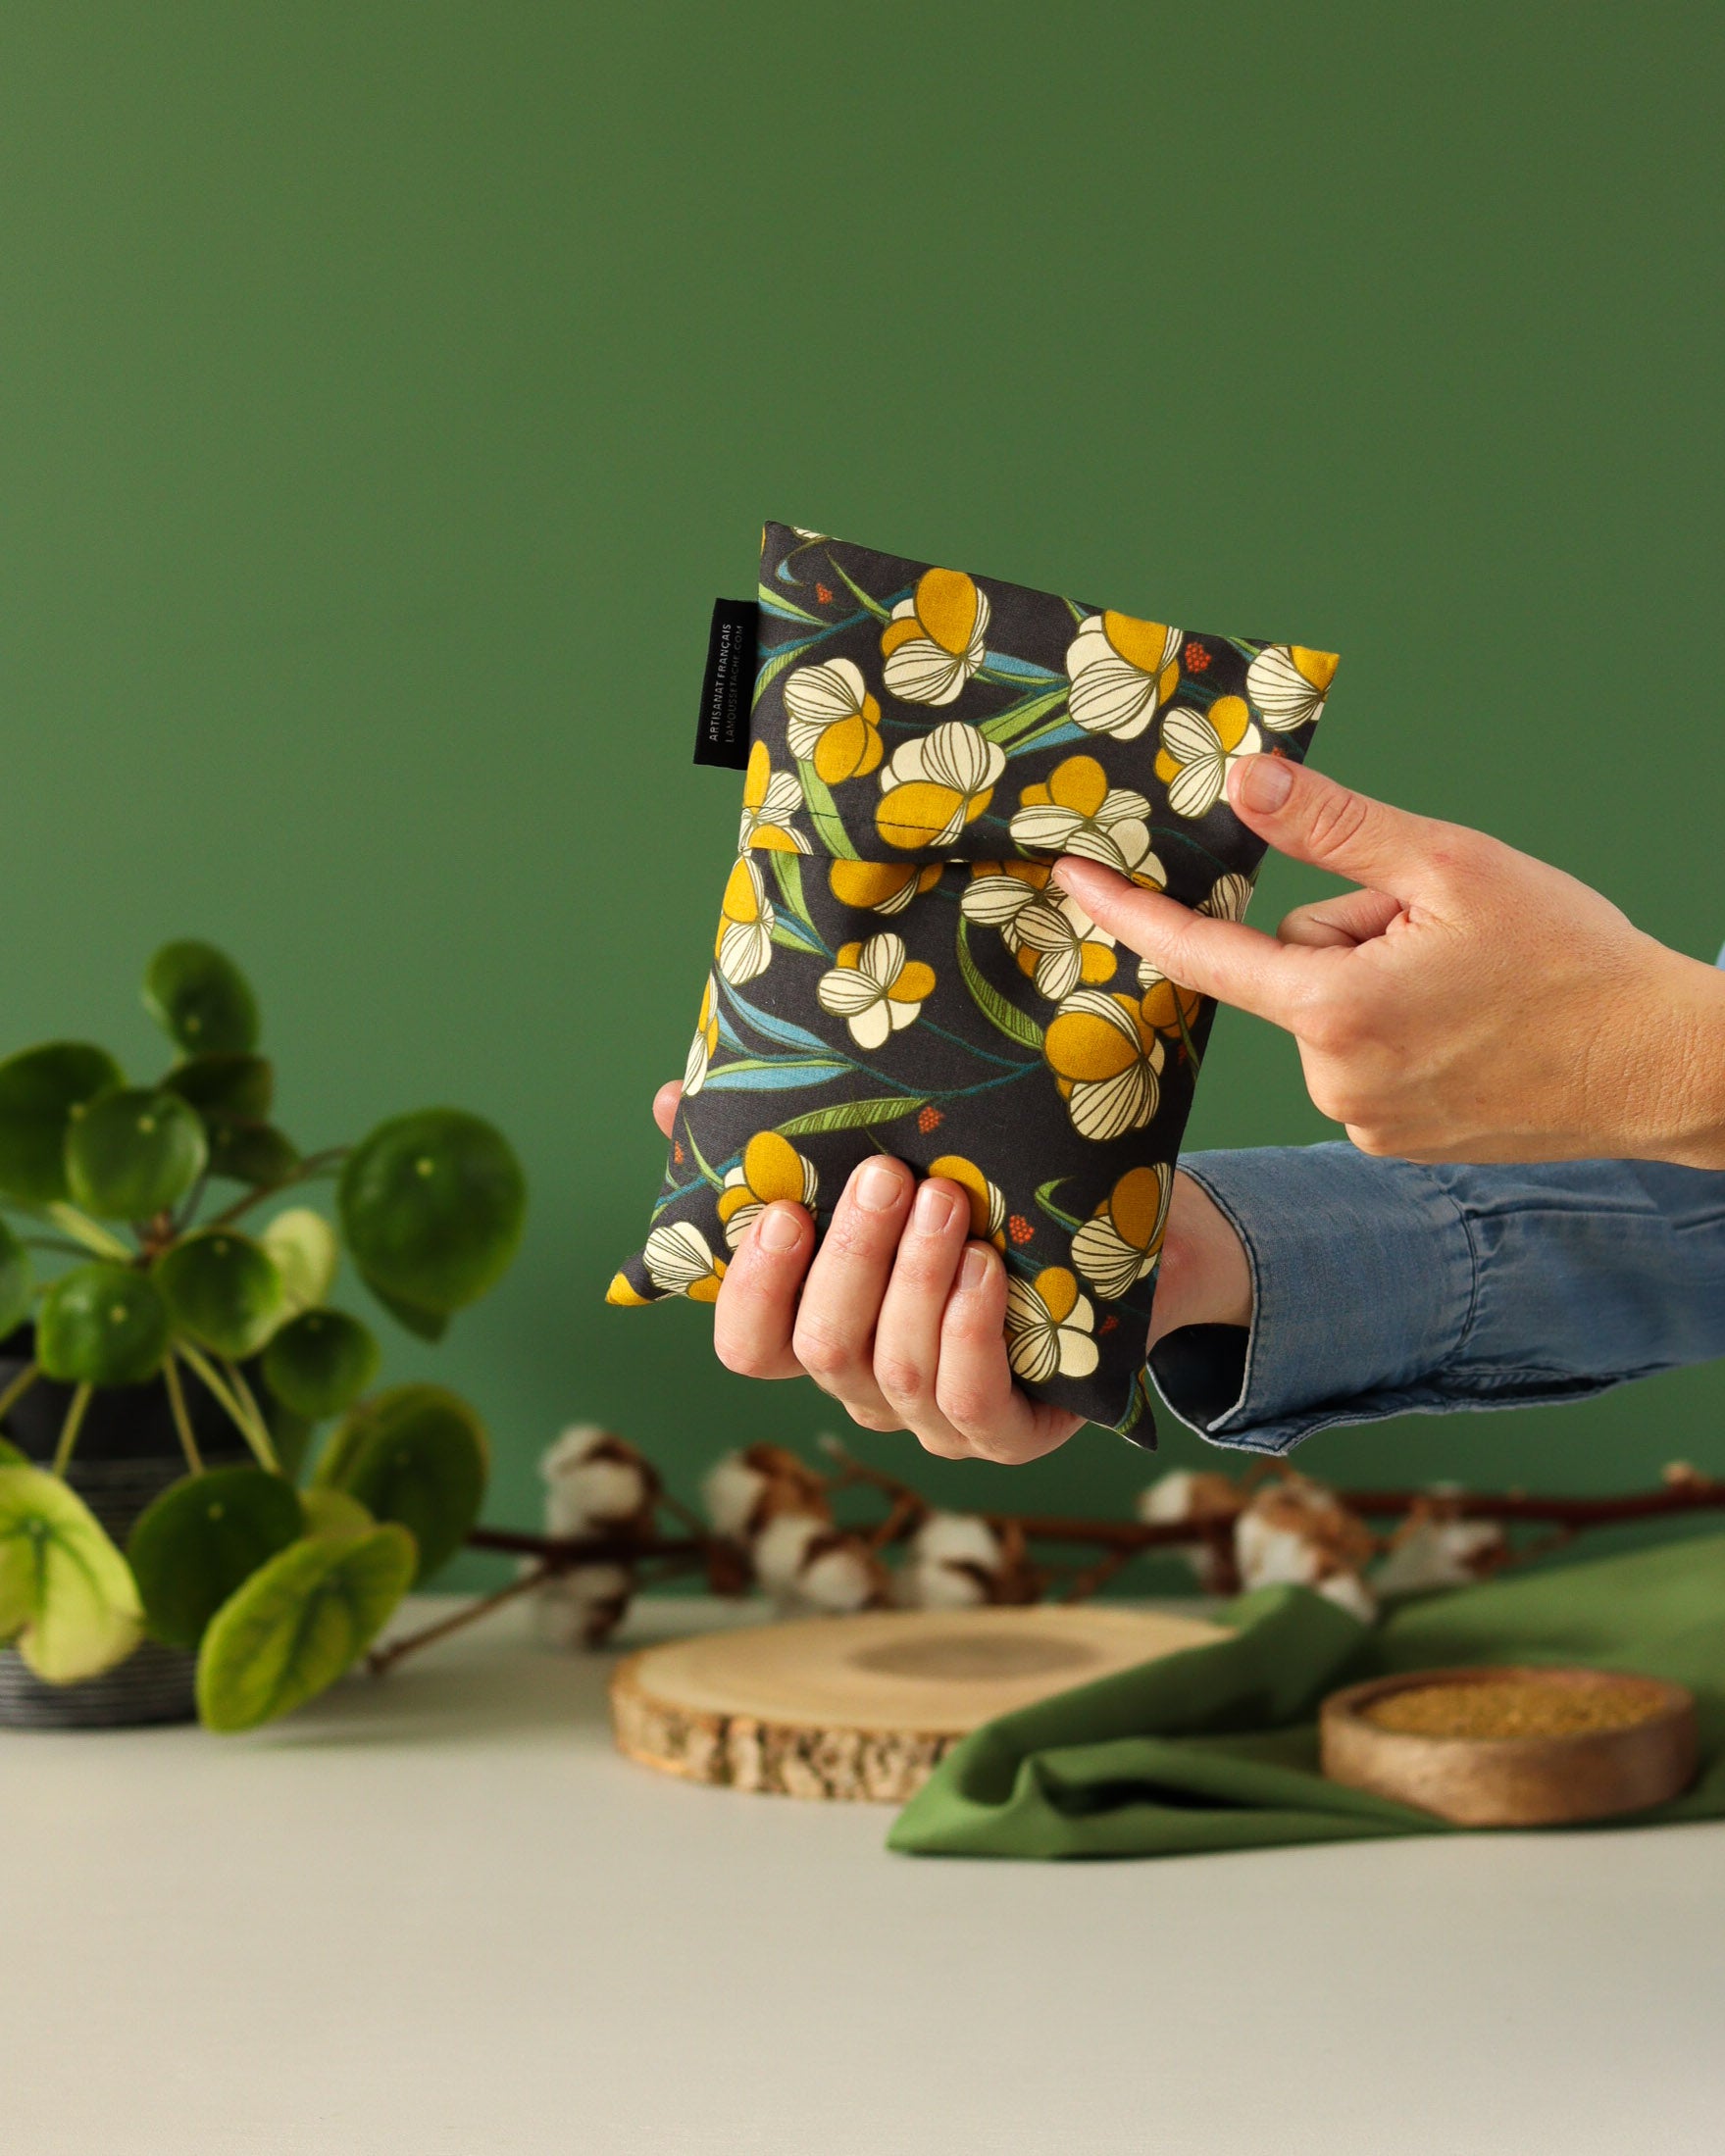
(129,1451)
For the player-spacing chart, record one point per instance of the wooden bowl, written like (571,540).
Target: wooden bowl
(1521,1781)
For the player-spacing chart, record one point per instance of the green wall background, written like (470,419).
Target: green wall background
(385,391)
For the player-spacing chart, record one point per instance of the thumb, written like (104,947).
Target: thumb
(1310,818)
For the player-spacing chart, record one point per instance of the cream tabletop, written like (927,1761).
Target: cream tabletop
(439,1913)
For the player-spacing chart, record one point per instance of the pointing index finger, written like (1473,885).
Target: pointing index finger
(1223,959)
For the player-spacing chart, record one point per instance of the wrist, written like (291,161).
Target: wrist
(1679,1114)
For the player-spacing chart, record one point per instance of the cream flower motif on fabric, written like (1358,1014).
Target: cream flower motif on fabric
(988,1202)
(771,1169)
(1049,1327)
(1197,748)
(770,799)
(1230,896)
(1077,812)
(1120,1244)
(879,886)
(1107,1062)
(678,1262)
(743,946)
(936,783)
(705,1044)
(833,722)
(1060,946)
(1054,941)
(936,639)
(877,988)
(1288,685)
(1122,671)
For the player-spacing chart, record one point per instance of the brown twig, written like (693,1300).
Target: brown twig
(382,1660)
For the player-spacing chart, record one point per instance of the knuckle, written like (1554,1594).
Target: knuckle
(903,1383)
(1337,819)
(742,1358)
(940,1446)
(823,1353)
(968,1407)
(872,1418)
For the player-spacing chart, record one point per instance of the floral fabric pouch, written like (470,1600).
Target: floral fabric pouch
(894,971)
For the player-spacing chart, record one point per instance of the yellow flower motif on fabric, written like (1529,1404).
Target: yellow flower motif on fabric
(1122,671)
(771,1169)
(1120,1244)
(877,988)
(1288,683)
(936,639)
(1077,812)
(879,886)
(1049,1327)
(770,799)
(622,1293)
(1106,1061)
(1165,1004)
(1197,747)
(1051,936)
(833,722)
(743,946)
(937,784)
(680,1261)
(705,1044)
(987,1203)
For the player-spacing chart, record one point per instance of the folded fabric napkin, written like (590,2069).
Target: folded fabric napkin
(895,968)
(1217,1747)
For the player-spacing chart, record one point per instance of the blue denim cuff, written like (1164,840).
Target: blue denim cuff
(1364,1277)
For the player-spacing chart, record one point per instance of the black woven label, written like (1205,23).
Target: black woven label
(722,736)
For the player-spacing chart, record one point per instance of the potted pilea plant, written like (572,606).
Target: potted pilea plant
(161,1377)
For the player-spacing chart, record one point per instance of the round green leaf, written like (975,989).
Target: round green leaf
(39,1089)
(225,1084)
(320,1363)
(223,1289)
(298,1623)
(68,1602)
(424,1325)
(15,1281)
(131,1153)
(201,999)
(200,1539)
(251,1152)
(432,1206)
(102,1325)
(416,1454)
(306,1252)
(334,1511)
(290,1434)
(11,1457)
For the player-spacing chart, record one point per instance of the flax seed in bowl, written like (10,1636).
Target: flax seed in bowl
(1514,1747)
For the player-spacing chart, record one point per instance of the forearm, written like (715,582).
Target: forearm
(1380,1287)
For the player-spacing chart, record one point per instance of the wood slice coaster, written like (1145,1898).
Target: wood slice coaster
(1587,1743)
(863,1707)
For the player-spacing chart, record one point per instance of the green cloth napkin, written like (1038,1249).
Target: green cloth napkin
(1216,1747)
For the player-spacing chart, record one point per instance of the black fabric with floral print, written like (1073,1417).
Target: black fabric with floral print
(894,970)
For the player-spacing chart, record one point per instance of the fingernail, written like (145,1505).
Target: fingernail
(878,1186)
(973,1274)
(935,1209)
(780,1229)
(1262,783)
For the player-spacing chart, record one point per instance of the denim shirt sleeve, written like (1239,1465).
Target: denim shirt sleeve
(1383,1287)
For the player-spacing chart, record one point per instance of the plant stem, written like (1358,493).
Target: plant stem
(85,1233)
(182,1420)
(54,1242)
(248,1400)
(381,1660)
(308,1170)
(69,1429)
(256,1437)
(19,1387)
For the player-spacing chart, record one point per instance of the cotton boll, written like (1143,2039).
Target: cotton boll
(581,1607)
(1427,1552)
(840,1573)
(1349,1592)
(779,1549)
(1295,1533)
(1270,1555)
(730,1492)
(593,1482)
(954,1561)
(1183,1495)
